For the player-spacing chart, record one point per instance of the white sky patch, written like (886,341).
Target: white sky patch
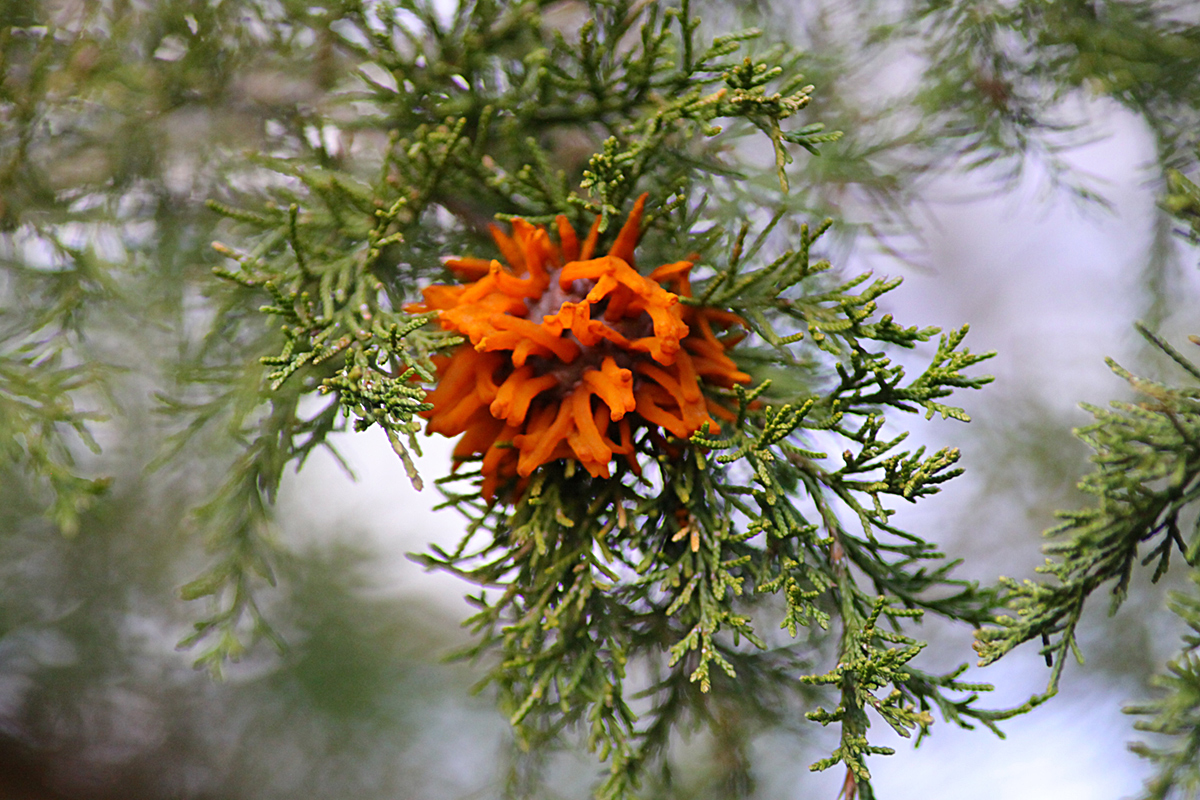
(382,506)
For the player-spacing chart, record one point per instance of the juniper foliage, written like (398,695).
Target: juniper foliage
(1146,468)
(626,609)
(1146,485)
(582,579)
(998,74)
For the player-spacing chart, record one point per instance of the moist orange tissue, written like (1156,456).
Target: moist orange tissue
(571,356)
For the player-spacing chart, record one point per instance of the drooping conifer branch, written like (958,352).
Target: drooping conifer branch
(773,497)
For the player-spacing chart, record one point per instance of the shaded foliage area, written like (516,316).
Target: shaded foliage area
(116,122)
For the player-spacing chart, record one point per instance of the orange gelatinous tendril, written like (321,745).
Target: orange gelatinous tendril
(568,353)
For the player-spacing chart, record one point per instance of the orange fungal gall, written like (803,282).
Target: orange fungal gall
(569,354)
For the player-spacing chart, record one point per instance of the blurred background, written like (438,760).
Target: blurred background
(119,118)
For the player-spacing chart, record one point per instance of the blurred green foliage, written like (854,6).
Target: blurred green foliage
(147,409)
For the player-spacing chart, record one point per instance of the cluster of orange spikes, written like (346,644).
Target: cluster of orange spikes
(568,353)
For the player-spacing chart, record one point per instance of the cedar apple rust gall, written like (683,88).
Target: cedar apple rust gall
(572,355)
